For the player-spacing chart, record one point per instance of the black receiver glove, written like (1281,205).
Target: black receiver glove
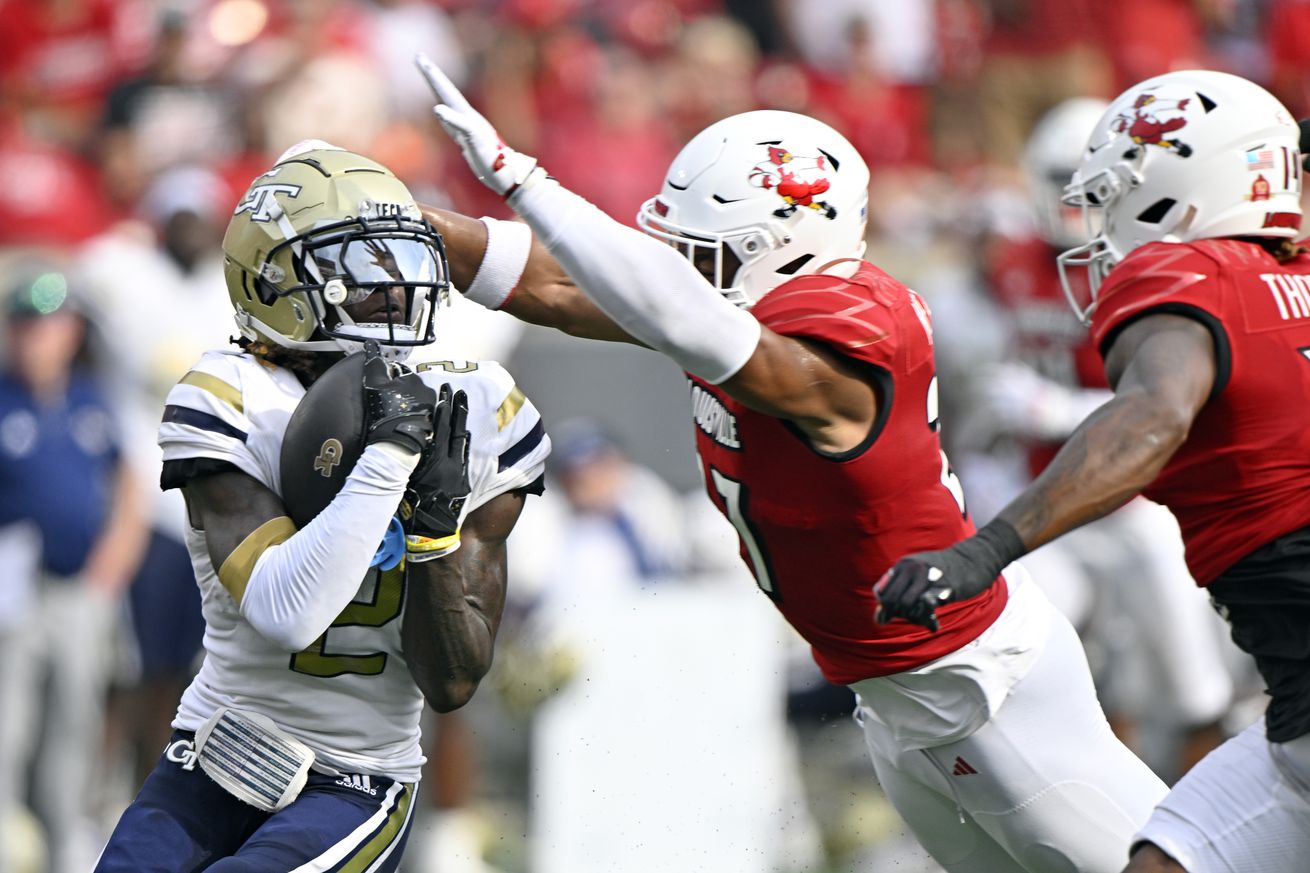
(919,583)
(440,484)
(398,404)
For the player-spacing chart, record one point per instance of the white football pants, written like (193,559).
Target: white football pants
(1245,808)
(1044,786)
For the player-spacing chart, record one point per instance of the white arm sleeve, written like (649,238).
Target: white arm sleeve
(299,587)
(647,287)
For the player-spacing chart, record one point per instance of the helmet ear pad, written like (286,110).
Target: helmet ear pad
(783,193)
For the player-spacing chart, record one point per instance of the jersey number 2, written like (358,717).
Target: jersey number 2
(388,594)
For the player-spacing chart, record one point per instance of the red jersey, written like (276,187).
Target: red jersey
(819,530)
(1048,337)
(1242,478)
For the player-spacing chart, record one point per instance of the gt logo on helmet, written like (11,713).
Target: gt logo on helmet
(261,204)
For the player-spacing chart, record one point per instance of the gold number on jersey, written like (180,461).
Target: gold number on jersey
(388,595)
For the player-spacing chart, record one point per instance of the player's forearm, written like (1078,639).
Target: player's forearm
(547,296)
(298,587)
(544,293)
(452,613)
(1109,459)
(465,240)
(650,290)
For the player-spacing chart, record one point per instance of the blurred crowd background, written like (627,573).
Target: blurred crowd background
(648,711)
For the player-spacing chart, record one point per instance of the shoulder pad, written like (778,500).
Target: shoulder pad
(207,405)
(1154,276)
(867,316)
(508,443)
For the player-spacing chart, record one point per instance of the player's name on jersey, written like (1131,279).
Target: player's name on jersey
(1291,294)
(712,417)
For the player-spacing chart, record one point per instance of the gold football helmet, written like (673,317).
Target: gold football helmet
(314,238)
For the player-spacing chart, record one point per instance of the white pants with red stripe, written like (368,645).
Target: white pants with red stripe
(1043,786)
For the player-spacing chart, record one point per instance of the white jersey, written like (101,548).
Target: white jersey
(349,696)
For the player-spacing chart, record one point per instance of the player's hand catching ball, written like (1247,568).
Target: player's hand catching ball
(439,486)
(919,583)
(398,404)
(495,164)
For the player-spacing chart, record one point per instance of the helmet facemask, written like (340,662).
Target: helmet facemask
(1051,157)
(339,266)
(1096,198)
(724,259)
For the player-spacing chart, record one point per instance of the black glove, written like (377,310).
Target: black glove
(398,404)
(440,483)
(919,583)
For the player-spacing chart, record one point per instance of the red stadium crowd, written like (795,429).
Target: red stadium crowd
(97,97)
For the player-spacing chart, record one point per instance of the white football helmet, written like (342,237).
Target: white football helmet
(762,196)
(1052,154)
(1180,157)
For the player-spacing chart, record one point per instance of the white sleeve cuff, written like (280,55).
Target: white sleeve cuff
(508,246)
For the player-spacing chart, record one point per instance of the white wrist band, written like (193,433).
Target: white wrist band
(508,245)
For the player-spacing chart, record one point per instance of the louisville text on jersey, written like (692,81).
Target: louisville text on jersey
(713,418)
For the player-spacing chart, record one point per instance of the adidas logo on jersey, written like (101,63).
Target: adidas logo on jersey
(358,782)
(963,768)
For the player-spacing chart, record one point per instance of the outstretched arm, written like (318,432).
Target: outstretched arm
(655,294)
(544,294)
(1163,370)
(454,605)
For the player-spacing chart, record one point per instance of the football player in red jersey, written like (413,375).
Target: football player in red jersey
(1052,381)
(815,405)
(1200,305)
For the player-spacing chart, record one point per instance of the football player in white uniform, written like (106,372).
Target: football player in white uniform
(297,745)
